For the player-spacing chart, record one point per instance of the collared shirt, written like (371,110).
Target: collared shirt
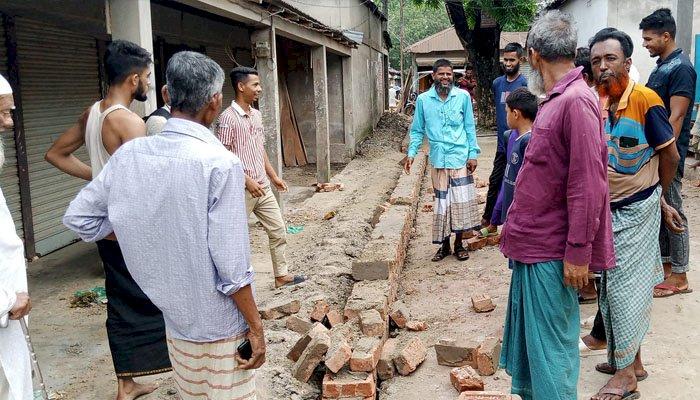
(637,130)
(675,76)
(560,209)
(501,88)
(176,203)
(449,126)
(244,135)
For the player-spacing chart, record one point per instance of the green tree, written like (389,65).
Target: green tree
(482,44)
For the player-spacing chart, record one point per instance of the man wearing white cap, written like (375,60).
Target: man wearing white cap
(15,369)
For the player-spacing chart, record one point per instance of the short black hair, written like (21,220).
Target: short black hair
(441,63)
(522,100)
(240,74)
(612,33)
(514,47)
(469,67)
(659,21)
(123,58)
(583,59)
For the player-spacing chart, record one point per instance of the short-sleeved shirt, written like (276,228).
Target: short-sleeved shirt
(635,132)
(501,89)
(675,76)
(243,134)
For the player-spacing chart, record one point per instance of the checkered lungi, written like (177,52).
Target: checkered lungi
(627,290)
(456,208)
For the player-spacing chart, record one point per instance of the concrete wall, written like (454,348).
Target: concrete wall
(335,100)
(591,16)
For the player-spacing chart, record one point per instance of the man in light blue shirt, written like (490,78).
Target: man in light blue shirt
(176,203)
(444,114)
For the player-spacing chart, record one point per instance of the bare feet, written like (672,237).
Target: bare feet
(130,390)
(623,381)
(593,343)
(588,292)
(677,280)
(283,280)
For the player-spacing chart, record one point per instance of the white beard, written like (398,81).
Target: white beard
(535,83)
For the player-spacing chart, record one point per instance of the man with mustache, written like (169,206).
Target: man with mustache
(444,114)
(673,80)
(558,225)
(642,163)
(501,87)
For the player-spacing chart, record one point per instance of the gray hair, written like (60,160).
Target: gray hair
(192,79)
(553,35)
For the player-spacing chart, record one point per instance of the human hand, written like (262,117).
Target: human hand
(575,276)
(22,306)
(254,188)
(672,218)
(471,166)
(257,343)
(280,184)
(407,163)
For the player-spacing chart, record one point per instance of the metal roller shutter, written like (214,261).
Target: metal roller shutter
(59,72)
(9,180)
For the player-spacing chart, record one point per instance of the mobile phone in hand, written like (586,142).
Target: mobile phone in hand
(245,350)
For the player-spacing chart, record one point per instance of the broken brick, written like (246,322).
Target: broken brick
(488,355)
(311,357)
(319,310)
(416,326)
(338,354)
(482,303)
(366,354)
(302,343)
(490,395)
(409,356)
(372,324)
(280,308)
(334,318)
(454,353)
(346,384)
(297,324)
(465,378)
(476,243)
(385,366)
(399,314)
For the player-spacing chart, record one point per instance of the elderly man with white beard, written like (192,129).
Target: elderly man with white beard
(15,369)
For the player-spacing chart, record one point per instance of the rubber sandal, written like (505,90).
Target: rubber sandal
(462,254)
(586,351)
(441,254)
(673,289)
(295,281)
(582,300)
(607,369)
(624,394)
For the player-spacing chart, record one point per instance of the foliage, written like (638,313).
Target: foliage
(511,15)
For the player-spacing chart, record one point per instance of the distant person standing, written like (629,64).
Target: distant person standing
(502,86)
(673,80)
(157,119)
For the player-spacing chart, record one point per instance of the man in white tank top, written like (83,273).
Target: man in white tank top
(135,327)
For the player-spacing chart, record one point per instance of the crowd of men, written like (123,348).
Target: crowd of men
(588,164)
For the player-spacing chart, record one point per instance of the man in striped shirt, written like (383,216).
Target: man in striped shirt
(241,131)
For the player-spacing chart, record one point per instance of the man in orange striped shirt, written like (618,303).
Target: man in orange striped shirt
(241,131)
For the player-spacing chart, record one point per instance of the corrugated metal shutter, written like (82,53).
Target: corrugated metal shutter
(9,180)
(59,72)
(218,54)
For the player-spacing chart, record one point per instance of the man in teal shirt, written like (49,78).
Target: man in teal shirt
(444,114)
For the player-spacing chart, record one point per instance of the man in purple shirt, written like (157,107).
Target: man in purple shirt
(559,224)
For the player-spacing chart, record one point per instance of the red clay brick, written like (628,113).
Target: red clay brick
(319,310)
(482,303)
(454,353)
(399,314)
(304,341)
(348,384)
(311,357)
(372,324)
(280,308)
(338,354)
(334,317)
(366,354)
(409,356)
(465,378)
(298,324)
(385,366)
(488,354)
(416,326)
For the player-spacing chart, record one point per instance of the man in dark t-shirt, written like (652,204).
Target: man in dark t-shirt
(502,86)
(673,80)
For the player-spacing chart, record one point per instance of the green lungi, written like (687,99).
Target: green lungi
(627,290)
(540,339)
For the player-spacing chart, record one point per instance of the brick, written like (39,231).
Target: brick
(488,395)
(488,355)
(385,366)
(320,309)
(311,357)
(366,354)
(416,326)
(338,354)
(482,303)
(367,295)
(302,343)
(348,384)
(372,324)
(476,243)
(280,308)
(454,353)
(399,314)
(408,187)
(465,378)
(334,318)
(298,324)
(493,240)
(409,356)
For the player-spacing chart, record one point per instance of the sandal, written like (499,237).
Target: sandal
(441,254)
(673,289)
(583,300)
(607,369)
(624,394)
(297,280)
(461,253)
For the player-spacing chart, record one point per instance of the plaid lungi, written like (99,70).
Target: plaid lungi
(210,371)
(627,290)
(456,208)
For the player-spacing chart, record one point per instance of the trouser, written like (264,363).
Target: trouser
(675,247)
(4,386)
(598,330)
(495,181)
(268,212)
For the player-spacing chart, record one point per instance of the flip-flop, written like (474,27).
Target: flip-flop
(624,394)
(607,369)
(582,300)
(673,289)
(297,280)
(586,351)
